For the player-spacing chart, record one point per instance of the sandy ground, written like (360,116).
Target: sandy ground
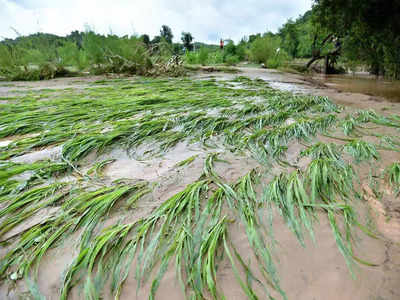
(317,271)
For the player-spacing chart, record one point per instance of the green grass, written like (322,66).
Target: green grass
(362,150)
(392,176)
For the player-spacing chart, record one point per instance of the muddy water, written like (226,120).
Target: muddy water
(364,84)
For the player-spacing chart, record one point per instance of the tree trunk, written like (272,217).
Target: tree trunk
(326,69)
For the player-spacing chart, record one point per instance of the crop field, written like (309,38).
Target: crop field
(139,176)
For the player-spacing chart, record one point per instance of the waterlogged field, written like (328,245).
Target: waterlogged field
(111,189)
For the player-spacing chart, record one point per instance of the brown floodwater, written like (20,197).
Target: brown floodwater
(364,84)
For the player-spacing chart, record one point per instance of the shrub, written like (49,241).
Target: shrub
(215,58)
(230,49)
(70,55)
(279,59)
(203,56)
(191,57)
(267,50)
(231,60)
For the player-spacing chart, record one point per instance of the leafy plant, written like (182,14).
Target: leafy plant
(392,176)
(361,150)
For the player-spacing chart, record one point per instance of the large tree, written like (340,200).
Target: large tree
(289,36)
(187,40)
(166,33)
(369,30)
(145,39)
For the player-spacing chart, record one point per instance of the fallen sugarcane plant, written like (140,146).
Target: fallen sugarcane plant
(190,231)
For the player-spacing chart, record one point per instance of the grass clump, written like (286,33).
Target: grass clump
(392,176)
(361,150)
(78,209)
(288,193)
(322,150)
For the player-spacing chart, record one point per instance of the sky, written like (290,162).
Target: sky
(207,20)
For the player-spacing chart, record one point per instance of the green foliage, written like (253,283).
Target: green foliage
(205,56)
(322,150)
(267,50)
(231,60)
(38,57)
(263,48)
(280,59)
(145,39)
(71,55)
(187,40)
(187,161)
(8,60)
(392,176)
(230,48)
(289,35)
(215,58)
(369,30)
(166,33)
(361,150)
(288,193)
(202,56)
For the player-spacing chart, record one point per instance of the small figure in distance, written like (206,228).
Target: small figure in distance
(221,44)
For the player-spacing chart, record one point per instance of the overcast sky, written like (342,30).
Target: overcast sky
(207,20)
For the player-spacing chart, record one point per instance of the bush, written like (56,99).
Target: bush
(191,57)
(267,50)
(230,49)
(231,60)
(263,49)
(279,59)
(43,72)
(215,58)
(203,56)
(70,55)
(37,57)
(241,51)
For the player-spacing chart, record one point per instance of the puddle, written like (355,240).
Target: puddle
(364,84)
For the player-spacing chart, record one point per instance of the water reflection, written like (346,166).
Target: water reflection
(363,83)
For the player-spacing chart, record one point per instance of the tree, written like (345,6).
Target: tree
(187,40)
(145,39)
(156,39)
(76,37)
(289,35)
(368,28)
(253,37)
(166,33)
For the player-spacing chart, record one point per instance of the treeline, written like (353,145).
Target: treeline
(274,50)
(338,36)
(357,34)
(367,30)
(343,35)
